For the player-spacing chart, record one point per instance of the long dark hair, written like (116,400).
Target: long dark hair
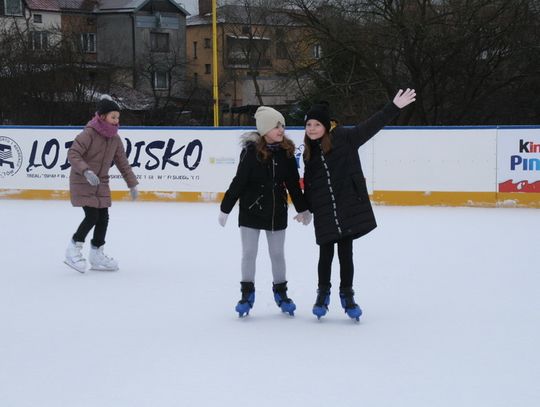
(326,145)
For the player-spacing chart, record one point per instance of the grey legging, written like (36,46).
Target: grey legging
(276,249)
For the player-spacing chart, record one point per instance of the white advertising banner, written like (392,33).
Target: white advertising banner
(199,163)
(518,163)
(163,159)
(436,159)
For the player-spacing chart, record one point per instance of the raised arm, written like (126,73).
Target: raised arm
(361,133)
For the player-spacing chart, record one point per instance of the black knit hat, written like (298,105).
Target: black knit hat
(319,112)
(106,105)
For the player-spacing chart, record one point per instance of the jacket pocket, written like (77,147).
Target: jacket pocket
(359,185)
(256,204)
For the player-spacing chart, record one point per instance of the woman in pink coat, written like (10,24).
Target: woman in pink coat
(90,157)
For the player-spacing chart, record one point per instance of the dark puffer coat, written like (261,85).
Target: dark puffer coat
(262,189)
(335,186)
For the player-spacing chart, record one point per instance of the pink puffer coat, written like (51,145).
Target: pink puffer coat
(90,150)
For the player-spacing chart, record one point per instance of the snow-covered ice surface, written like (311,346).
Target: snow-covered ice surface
(451,300)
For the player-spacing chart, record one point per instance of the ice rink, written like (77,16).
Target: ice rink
(451,300)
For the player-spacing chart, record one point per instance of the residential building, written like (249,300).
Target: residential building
(140,43)
(254,65)
(146,39)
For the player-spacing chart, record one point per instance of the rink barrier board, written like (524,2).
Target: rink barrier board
(473,199)
(400,198)
(163,196)
(402,165)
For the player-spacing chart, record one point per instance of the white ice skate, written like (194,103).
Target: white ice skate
(74,257)
(100,261)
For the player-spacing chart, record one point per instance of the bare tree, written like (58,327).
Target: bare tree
(248,26)
(45,78)
(465,58)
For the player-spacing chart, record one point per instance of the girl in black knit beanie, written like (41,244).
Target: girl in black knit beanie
(98,144)
(336,192)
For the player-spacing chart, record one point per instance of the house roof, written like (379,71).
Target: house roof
(119,6)
(238,14)
(128,98)
(43,5)
(203,20)
(107,6)
(79,5)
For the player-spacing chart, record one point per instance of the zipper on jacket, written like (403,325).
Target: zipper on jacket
(331,190)
(101,168)
(273,191)
(103,158)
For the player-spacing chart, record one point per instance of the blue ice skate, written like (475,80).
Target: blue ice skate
(353,311)
(321,303)
(248,299)
(282,300)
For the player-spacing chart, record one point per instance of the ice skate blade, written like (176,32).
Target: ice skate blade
(319,312)
(103,268)
(355,318)
(289,311)
(243,309)
(80,270)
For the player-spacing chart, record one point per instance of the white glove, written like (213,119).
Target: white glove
(403,99)
(134,193)
(91,177)
(304,217)
(222,218)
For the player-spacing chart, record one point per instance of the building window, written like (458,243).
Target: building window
(195,78)
(161,80)
(13,8)
(39,40)
(252,53)
(159,42)
(38,18)
(317,51)
(194,49)
(281,50)
(88,42)
(207,68)
(207,43)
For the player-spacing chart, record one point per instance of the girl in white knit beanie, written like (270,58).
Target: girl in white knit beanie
(267,173)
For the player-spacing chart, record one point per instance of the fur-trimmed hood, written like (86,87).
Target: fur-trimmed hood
(251,137)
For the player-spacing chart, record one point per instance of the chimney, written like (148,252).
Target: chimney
(205,7)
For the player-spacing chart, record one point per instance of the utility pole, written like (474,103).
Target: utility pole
(215,87)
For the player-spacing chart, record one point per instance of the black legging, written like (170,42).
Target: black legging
(346,266)
(93,218)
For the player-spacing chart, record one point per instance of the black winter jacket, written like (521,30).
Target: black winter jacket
(335,186)
(262,189)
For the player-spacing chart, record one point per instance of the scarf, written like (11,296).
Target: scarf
(273,147)
(105,129)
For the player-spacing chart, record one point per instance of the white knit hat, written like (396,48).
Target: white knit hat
(267,119)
